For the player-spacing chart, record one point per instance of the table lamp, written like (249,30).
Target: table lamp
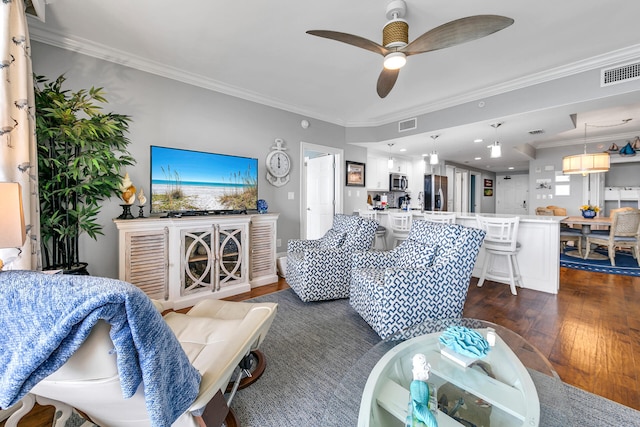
(12,229)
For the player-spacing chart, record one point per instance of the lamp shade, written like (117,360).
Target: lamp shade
(585,163)
(12,229)
(433,158)
(496,150)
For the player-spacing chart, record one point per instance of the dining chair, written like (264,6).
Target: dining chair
(500,241)
(379,242)
(446,217)
(557,210)
(567,234)
(603,230)
(400,224)
(574,235)
(624,234)
(544,211)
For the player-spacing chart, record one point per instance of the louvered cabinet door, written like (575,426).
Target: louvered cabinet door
(147,265)
(262,262)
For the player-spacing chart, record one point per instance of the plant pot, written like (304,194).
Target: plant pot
(79,269)
(589,214)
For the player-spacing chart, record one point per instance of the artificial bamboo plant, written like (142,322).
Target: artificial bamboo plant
(81,154)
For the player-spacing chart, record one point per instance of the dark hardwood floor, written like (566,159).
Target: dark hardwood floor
(589,331)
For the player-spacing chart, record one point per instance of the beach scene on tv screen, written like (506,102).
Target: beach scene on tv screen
(183,180)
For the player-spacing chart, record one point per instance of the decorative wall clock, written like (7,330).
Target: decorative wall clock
(278,165)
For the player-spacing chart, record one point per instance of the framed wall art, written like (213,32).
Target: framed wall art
(355,174)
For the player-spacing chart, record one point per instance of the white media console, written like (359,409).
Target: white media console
(182,260)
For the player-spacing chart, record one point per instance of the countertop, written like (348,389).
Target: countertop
(472,215)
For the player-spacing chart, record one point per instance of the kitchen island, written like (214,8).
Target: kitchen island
(539,256)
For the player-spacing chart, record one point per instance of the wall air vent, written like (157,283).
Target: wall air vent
(408,124)
(536,132)
(620,74)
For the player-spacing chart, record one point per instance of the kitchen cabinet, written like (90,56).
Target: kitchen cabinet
(377,173)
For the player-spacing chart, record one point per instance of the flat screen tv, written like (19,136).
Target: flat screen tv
(196,181)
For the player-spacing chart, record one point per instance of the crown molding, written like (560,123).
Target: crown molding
(626,54)
(41,34)
(106,53)
(621,136)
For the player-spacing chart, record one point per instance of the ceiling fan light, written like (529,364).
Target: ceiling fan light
(395,61)
(496,150)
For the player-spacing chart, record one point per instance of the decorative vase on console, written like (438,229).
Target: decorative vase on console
(589,211)
(262,206)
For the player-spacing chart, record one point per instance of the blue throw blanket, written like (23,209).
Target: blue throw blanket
(45,318)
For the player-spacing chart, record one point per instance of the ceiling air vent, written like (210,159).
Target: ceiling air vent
(620,74)
(536,132)
(408,124)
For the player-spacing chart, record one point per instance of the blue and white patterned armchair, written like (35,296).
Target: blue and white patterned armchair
(319,270)
(426,277)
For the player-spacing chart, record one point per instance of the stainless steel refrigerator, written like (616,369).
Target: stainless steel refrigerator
(435,193)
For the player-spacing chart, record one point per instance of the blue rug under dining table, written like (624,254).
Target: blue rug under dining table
(626,264)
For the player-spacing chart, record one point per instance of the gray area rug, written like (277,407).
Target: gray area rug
(311,351)
(310,380)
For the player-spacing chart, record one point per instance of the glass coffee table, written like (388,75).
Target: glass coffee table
(514,385)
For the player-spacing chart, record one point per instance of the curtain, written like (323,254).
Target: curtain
(18,149)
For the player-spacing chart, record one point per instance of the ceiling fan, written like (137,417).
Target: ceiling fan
(395,39)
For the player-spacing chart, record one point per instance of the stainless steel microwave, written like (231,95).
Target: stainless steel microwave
(398,182)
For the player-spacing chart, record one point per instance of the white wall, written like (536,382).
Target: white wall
(173,114)
(549,161)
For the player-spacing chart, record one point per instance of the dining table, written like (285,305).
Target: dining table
(586,224)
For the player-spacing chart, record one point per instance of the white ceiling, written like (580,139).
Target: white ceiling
(259,51)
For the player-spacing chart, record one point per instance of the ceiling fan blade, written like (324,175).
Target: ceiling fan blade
(352,40)
(457,32)
(386,81)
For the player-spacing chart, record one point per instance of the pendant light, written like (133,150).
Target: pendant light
(433,157)
(585,163)
(390,161)
(496,150)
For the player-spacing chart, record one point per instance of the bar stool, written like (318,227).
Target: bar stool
(500,241)
(379,241)
(400,223)
(447,218)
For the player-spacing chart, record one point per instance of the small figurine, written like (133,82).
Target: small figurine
(419,390)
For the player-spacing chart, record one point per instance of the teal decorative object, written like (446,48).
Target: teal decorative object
(627,150)
(423,400)
(465,341)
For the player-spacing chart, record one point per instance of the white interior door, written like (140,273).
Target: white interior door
(320,195)
(475,192)
(512,195)
(461,197)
